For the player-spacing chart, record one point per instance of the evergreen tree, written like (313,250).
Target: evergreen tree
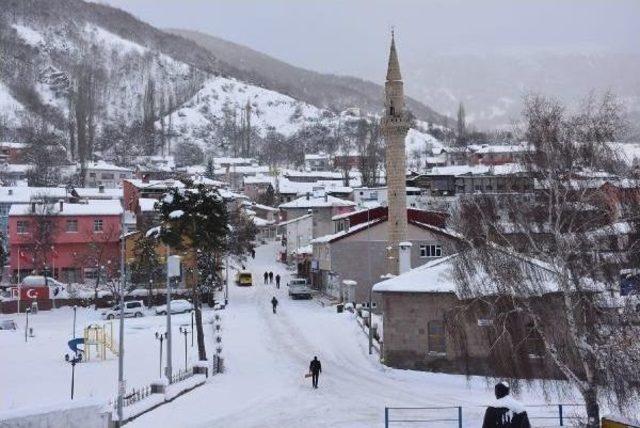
(210,172)
(462,126)
(195,220)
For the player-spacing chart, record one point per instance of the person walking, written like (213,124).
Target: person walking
(270,277)
(266,277)
(278,280)
(505,412)
(253,253)
(315,368)
(274,303)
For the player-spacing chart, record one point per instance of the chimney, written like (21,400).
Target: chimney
(405,257)
(100,189)
(61,205)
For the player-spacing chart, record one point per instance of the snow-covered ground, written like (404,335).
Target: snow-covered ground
(266,355)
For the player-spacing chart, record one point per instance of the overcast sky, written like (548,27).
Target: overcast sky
(351,36)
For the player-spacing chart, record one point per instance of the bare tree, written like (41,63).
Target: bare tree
(590,338)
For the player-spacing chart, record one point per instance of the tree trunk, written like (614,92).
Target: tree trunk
(202,353)
(591,403)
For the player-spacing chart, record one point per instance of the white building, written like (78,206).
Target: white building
(104,174)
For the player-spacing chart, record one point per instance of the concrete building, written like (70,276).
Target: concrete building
(317,162)
(427,326)
(323,207)
(357,251)
(296,233)
(395,126)
(79,239)
(372,196)
(101,173)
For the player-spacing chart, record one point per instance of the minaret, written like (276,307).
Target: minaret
(395,126)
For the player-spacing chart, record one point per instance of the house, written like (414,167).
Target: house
(296,233)
(357,249)
(135,189)
(317,162)
(235,174)
(101,173)
(485,154)
(257,186)
(323,206)
(12,152)
(429,326)
(79,239)
(311,176)
(372,196)
(23,195)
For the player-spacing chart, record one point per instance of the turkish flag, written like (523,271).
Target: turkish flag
(30,293)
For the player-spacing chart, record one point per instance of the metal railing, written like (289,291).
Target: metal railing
(553,415)
(181,375)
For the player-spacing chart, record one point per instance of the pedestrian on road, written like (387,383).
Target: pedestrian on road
(270,277)
(253,253)
(315,368)
(274,303)
(278,281)
(266,277)
(505,412)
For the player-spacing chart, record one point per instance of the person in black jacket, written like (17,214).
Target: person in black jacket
(315,368)
(270,277)
(277,280)
(266,277)
(505,412)
(274,303)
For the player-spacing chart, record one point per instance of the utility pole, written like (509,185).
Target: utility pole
(169,370)
(123,280)
(369,275)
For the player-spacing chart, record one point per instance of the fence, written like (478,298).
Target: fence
(547,415)
(181,375)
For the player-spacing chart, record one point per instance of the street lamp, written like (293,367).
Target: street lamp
(185,331)
(192,314)
(75,308)
(161,337)
(73,362)
(26,327)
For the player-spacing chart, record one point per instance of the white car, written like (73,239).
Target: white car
(299,289)
(178,306)
(134,308)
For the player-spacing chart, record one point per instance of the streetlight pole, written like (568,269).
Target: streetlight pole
(185,331)
(75,308)
(73,362)
(123,286)
(369,275)
(169,371)
(192,314)
(26,327)
(160,337)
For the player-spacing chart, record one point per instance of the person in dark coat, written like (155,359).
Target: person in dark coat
(315,368)
(266,277)
(253,253)
(274,303)
(270,277)
(277,280)
(505,412)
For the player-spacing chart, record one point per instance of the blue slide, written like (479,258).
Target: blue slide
(73,345)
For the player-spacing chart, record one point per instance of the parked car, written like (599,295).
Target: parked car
(133,308)
(178,306)
(243,278)
(299,289)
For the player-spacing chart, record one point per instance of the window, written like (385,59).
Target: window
(133,305)
(107,176)
(436,337)
(90,273)
(123,175)
(23,226)
(97,225)
(92,174)
(430,251)
(72,225)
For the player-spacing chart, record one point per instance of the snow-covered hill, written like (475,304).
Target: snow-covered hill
(223,99)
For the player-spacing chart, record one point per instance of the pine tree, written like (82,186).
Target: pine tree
(210,172)
(462,126)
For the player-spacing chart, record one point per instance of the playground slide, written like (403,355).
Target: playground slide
(73,345)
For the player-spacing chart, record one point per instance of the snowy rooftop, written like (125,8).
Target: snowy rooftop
(24,194)
(319,174)
(316,156)
(260,222)
(107,166)
(12,145)
(506,169)
(512,148)
(259,206)
(243,169)
(432,277)
(260,179)
(326,201)
(91,207)
(361,226)
(156,184)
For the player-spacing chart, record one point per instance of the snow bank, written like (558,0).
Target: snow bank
(75,414)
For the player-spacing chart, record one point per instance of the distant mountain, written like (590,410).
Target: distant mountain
(336,93)
(492,86)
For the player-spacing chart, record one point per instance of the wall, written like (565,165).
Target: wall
(76,415)
(349,256)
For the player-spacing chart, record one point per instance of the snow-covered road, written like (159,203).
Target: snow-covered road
(267,356)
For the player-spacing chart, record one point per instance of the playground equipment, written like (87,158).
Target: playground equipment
(98,336)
